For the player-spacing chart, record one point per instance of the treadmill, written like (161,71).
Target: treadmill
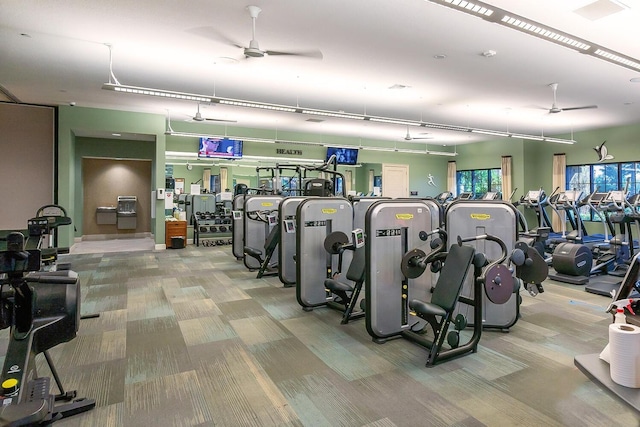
(607,285)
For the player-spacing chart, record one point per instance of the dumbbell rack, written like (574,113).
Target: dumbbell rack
(214,229)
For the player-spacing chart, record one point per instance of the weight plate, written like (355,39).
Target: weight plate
(453,339)
(460,322)
(409,264)
(334,241)
(537,270)
(498,284)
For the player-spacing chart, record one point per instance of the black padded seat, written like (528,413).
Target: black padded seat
(426,309)
(347,293)
(449,284)
(253,252)
(334,285)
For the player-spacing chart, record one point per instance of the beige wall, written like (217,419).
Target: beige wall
(103,180)
(26,162)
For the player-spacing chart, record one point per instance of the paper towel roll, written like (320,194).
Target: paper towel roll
(624,348)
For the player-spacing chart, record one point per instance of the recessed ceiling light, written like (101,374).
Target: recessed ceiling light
(25,35)
(440,56)
(489,53)
(116,134)
(398,86)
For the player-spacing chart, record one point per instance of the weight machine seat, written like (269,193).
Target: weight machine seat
(253,252)
(449,284)
(269,245)
(355,273)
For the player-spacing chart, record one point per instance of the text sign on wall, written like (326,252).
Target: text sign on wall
(290,152)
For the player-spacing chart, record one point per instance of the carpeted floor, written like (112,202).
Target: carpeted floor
(189,337)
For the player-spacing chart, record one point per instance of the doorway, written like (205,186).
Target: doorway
(395,181)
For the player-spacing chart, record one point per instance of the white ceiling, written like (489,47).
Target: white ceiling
(55,53)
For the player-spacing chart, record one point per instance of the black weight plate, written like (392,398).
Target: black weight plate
(498,284)
(537,271)
(460,322)
(409,265)
(334,241)
(453,339)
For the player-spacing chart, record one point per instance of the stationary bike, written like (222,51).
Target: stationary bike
(42,310)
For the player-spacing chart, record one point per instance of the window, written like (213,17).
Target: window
(604,177)
(479,181)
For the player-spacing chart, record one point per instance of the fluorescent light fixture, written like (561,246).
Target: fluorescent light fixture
(177,154)
(285,108)
(539,31)
(379,149)
(338,114)
(394,121)
(156,92)
(442,153)
(445,127)
(489,132)
(523,136)
(250,104)
(468,6)
(511,20)
(560,141)
(618,59)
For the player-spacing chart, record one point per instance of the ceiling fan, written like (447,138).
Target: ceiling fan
(554,107)
(408,136)
(254,51)
(198,117)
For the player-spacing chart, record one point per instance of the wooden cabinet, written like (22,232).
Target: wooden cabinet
(174,229)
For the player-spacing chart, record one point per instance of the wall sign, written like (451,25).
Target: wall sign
(291,152)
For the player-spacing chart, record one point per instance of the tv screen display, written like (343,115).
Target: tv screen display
(344,156)
(220,147)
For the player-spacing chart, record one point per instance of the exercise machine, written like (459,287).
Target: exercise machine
(347,294)
(260,217)
(496,218)
(392,228)
(317,218)
(42,310)
(264,258)
(492,279)
(287,245)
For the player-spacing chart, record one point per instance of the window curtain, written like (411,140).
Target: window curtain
(506,177)
(559,180)
(348,176)
(451,177)
(206,180)
(224,175)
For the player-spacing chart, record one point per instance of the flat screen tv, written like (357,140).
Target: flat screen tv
(344,156)
(220,148)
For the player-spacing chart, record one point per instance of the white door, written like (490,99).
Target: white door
(395,181)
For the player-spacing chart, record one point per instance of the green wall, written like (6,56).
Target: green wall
(532,160)
(74,121)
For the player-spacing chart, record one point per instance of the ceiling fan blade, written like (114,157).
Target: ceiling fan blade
(211,33)
(315,54)
(220,120)
(586,107)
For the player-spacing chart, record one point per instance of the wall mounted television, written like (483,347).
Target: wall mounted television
(220,148)
(344,156)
